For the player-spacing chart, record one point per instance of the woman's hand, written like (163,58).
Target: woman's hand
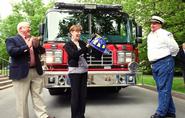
(87,45)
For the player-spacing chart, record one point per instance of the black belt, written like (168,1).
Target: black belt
(153,62)
(32,66)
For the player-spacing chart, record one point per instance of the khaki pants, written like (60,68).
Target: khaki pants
(34,84)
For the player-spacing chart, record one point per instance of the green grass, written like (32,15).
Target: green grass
(3,71)
(178,82)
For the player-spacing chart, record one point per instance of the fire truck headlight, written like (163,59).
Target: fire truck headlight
(128,57)
(122,80)
(54,56)
(58,60)
(132,66)
(121,57)
(61,80)
(58,56)
(124,57)
(49,59)
(51,80)
(130,79)
(58,53)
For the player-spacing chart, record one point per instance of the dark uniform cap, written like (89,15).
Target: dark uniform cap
(157,19)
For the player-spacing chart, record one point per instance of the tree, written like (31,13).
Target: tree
(32,11)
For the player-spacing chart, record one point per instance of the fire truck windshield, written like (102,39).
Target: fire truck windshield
(111,26)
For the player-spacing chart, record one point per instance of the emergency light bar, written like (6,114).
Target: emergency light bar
(61,5)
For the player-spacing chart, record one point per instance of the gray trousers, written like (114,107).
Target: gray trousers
(33,83)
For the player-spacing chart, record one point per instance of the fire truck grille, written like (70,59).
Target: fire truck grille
(105,60)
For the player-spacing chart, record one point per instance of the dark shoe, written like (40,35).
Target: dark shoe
(170,115)
(50,117)
(157,116)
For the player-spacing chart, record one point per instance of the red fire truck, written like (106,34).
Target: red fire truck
(122,34)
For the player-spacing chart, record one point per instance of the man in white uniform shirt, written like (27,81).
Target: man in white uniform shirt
(161,49)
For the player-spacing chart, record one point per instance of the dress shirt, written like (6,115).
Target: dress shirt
(161,43)
(32,56)
(35,43)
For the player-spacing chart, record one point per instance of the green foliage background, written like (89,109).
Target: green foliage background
(173,11)
(32,11)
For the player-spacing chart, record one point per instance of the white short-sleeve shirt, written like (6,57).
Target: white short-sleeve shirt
(161,43)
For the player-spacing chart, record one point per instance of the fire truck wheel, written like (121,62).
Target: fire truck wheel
(116,89)
(55,91)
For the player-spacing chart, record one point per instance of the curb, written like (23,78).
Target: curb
(174,93)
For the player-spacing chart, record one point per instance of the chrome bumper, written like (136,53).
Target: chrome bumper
(60,79)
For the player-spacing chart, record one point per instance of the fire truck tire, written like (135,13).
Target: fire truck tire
(116,89)
(56,91)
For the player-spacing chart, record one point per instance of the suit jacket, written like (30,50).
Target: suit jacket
(20,57)
(180,58)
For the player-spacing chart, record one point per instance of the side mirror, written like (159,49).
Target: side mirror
(41,32)
(138,34)
(41,29)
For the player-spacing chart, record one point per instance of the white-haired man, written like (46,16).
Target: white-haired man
(25,68)
(161,49)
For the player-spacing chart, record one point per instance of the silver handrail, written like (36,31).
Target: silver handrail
(4,67)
